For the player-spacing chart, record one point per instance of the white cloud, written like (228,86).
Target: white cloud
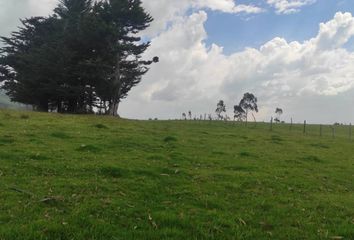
(289,6)
(194,76)
(165,12)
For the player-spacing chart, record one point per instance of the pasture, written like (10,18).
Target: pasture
(93,177)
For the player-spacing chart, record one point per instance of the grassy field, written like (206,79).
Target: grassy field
(91,177)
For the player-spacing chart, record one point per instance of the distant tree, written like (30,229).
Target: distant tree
(249,104)
(239,113)
(210,117)
(190,114)
(184,116)
(279,112)
(220,108)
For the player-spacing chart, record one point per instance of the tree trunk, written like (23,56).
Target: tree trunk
(71,106)
(246,117)
(114,105)
(59,107)
(43,106)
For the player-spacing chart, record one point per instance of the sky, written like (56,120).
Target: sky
(297,55)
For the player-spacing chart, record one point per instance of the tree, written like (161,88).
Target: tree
(86,55)
(124,19)
(220,108)
(184,116)
(239,113)
(190,114)
(249,104)
(279,112)
(29,63)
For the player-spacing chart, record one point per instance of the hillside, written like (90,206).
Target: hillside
(91,177)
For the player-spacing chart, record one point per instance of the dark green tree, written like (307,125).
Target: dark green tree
(29,63)
(249,104)
(239,113)
(85,56)
(220,108)
(279,112)
(124,19)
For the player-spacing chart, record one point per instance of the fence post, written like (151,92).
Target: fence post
(305,127)
(291,124)
(350,131)
(321,130)
(271,124)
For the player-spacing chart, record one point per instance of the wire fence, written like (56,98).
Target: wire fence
(334,131)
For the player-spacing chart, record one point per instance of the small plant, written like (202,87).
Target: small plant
(100,126)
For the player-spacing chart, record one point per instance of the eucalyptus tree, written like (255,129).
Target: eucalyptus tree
(239,113)
(220,109)
(249,104)
(278,112)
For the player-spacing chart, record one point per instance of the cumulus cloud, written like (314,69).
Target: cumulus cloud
(166,12)
(289,6)
(193,75)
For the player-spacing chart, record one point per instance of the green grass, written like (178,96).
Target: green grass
(91,177)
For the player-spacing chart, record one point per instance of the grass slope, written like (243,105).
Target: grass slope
(90,177)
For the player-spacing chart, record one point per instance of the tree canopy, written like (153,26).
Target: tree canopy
(220,108)
(85,56)
(249,104)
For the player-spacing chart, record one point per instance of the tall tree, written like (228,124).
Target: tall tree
(220,108)
(87,55)
(249,104)
(239,113)
(29,63)
(278,112)
(184,116)
(124,20)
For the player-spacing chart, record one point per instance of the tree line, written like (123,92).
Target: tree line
(247,105)
(84,57)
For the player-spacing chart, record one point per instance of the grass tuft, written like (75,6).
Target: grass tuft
(113,172)
(100,126)
(60,135)
(319,145)
(312,158)
(170,139)
(6,140)
(38,156)
(245,154)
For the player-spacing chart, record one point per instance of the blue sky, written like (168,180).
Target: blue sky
(235,32)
